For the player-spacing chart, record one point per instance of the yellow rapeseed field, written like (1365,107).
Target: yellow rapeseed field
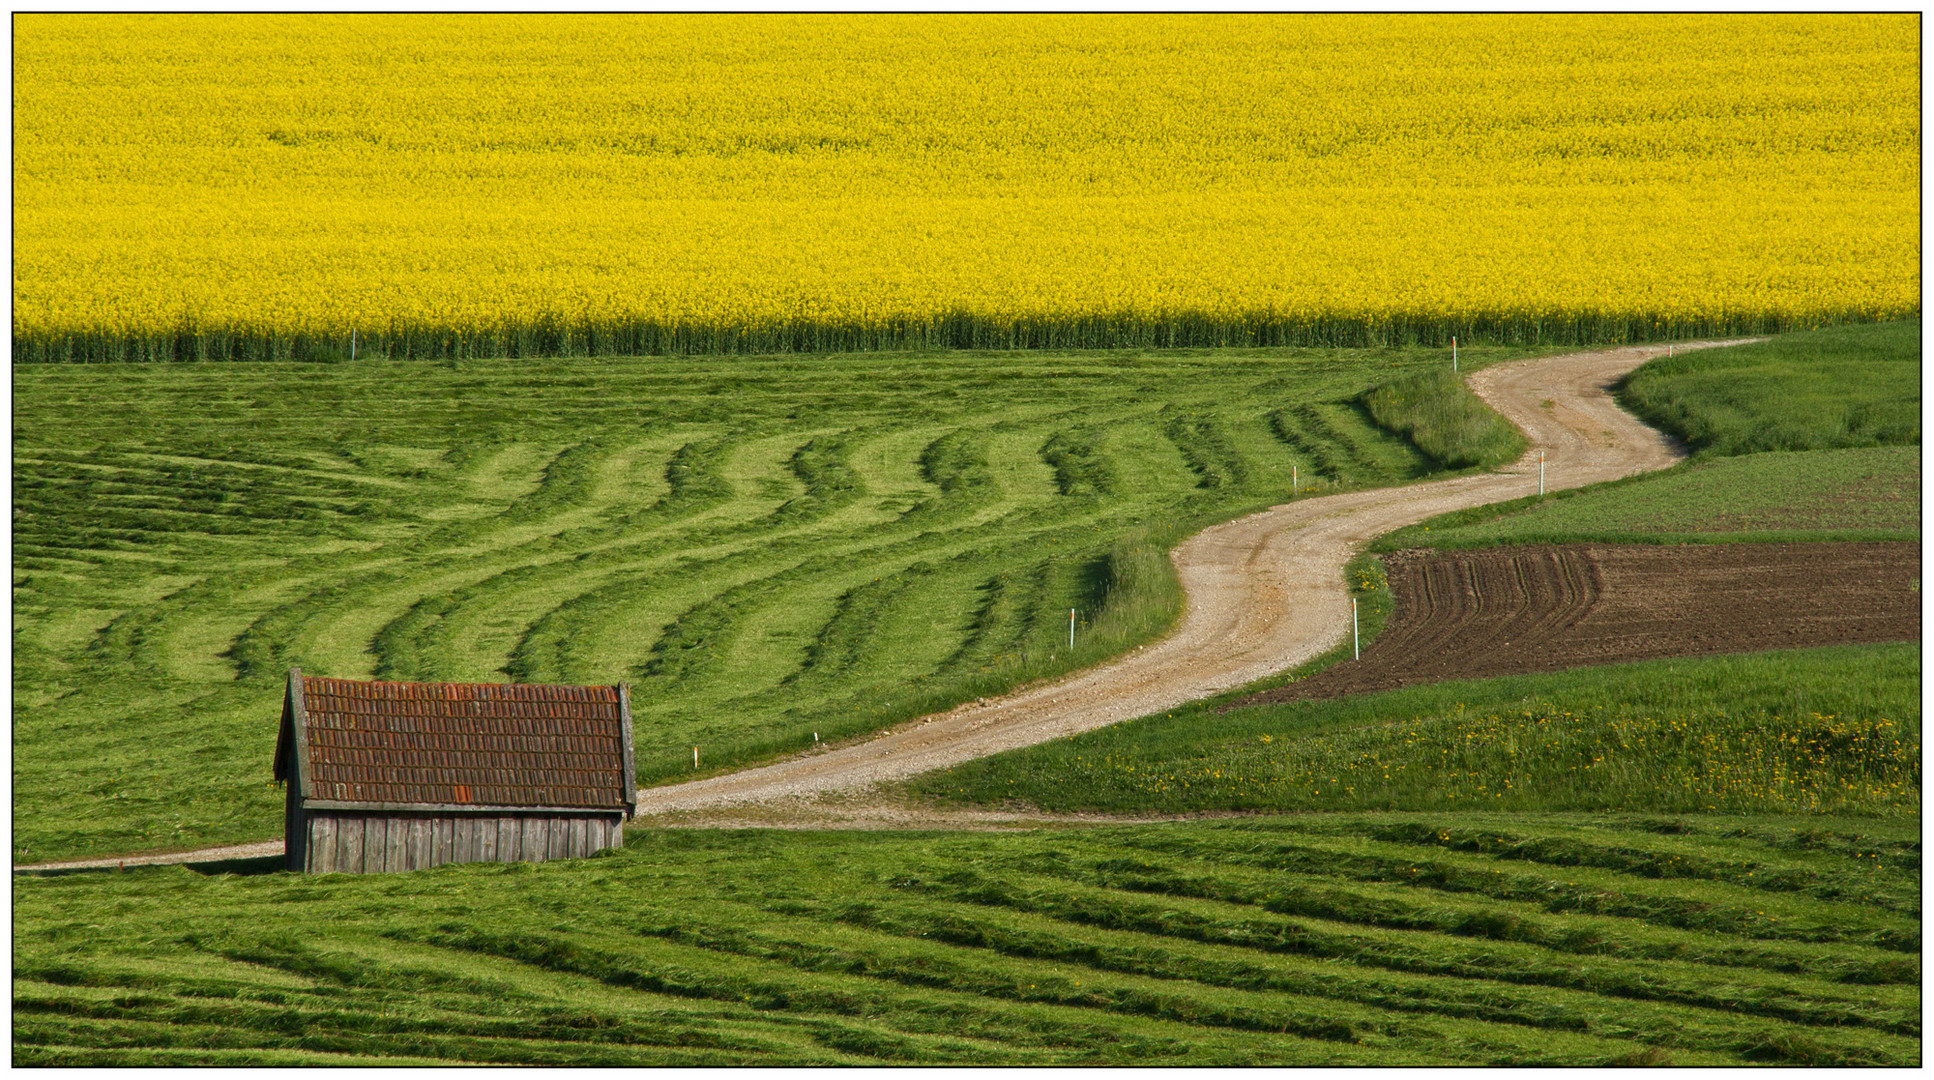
(247,185)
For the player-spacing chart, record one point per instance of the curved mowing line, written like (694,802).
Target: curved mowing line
(695,484)
(858,706)
(494,534)
(953,461)
(1265,593)
(1206,449)
(697,641)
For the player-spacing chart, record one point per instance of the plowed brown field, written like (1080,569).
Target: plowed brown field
(1507,611)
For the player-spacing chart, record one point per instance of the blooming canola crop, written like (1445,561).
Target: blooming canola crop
(237,185)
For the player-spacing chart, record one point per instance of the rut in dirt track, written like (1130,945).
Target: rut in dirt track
(1509,611)
(1264,593)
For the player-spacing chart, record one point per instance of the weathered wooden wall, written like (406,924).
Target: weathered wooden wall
(368,842)
(294,833)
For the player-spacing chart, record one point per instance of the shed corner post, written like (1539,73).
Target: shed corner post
(630,768)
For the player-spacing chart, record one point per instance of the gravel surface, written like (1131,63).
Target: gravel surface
(214,854)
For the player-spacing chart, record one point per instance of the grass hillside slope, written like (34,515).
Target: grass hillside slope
(1822,389)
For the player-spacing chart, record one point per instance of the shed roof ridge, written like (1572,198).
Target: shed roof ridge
(333,686)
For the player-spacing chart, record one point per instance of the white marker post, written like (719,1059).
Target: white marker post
(1292,481)
(1453,354)
(694,757)
(352,343)
(1541,472)
(1356,636)
(1070,629)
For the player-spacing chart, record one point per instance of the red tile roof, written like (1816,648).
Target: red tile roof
(478,744)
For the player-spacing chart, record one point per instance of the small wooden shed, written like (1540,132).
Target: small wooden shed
(400,776)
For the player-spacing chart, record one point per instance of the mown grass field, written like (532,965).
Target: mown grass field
(1352,939)
(1686,862)
(765,548)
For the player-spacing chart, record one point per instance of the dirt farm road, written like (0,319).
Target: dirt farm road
(1264,593)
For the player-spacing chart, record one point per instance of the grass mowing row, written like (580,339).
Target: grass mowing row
(766,547)
(1392,939)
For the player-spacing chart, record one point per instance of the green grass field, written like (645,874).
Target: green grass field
(1840,386)
(1834,730)
(1370,939)
(1681,862)
(1810,436)
(765,548)
(1811,495)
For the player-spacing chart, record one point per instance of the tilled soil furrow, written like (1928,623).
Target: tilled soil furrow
(1516,610)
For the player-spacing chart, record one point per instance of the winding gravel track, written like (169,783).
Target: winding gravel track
(1265,592)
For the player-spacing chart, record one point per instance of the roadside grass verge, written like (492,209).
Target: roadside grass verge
(1815,495)
(1447,938)
(1435,410)
(1840,386)
(1832,730)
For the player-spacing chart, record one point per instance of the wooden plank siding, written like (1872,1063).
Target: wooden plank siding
(390,776)
(373,842)
(350,833)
